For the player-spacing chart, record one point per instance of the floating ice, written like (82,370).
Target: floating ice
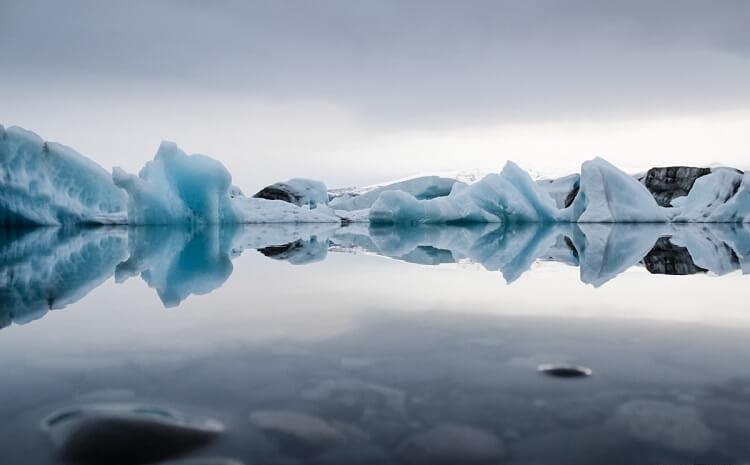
(511,196)
(421,188)
(45,183)
(49,184)
(263,211)
(608,195)
(709,192)
(176,188)
(562,190)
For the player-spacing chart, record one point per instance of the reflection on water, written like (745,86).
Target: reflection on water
(48,268)
(352,359)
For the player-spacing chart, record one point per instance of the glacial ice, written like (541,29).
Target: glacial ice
(176,188)
(49,184)
(706,201)
(608,195)
(511,196)
(562,190)
(422,188)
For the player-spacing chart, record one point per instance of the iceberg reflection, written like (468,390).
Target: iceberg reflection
(48,268)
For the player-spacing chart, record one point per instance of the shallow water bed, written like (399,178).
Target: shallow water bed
(369,346)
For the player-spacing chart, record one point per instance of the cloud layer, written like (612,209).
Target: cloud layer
(394,62)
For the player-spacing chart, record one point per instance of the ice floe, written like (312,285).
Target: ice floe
(48,184)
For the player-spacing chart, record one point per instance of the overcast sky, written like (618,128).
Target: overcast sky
(353,92)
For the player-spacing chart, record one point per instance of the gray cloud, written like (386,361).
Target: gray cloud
(425,62)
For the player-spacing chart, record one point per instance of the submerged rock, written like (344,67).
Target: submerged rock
(451,444)
(565,370)
(299,431)
(204,461)
(665,424)
(670,182)
(126,433)
(668,258)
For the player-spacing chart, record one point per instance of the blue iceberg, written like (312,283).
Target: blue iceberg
(44,183)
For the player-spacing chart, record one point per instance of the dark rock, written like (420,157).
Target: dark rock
(570,198)
(671,182)
(204,461)
(667,258)
(126,433)
(276,192)
(297,191)
(565,371)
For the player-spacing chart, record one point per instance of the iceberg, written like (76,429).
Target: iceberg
(421,188)
(706,201)
(562,190)
(176,188)
(608,195)
(671,182)
(511,197)
(45,183)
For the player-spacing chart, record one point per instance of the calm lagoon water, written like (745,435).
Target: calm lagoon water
(325,345)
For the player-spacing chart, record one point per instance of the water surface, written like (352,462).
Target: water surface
(319,344)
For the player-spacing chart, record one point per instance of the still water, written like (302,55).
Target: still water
(326,345)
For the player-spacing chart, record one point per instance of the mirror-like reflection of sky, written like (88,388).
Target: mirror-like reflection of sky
(404,354)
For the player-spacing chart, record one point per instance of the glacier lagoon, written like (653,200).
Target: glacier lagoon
(323,343)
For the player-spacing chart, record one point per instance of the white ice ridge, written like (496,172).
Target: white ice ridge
(47,183)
